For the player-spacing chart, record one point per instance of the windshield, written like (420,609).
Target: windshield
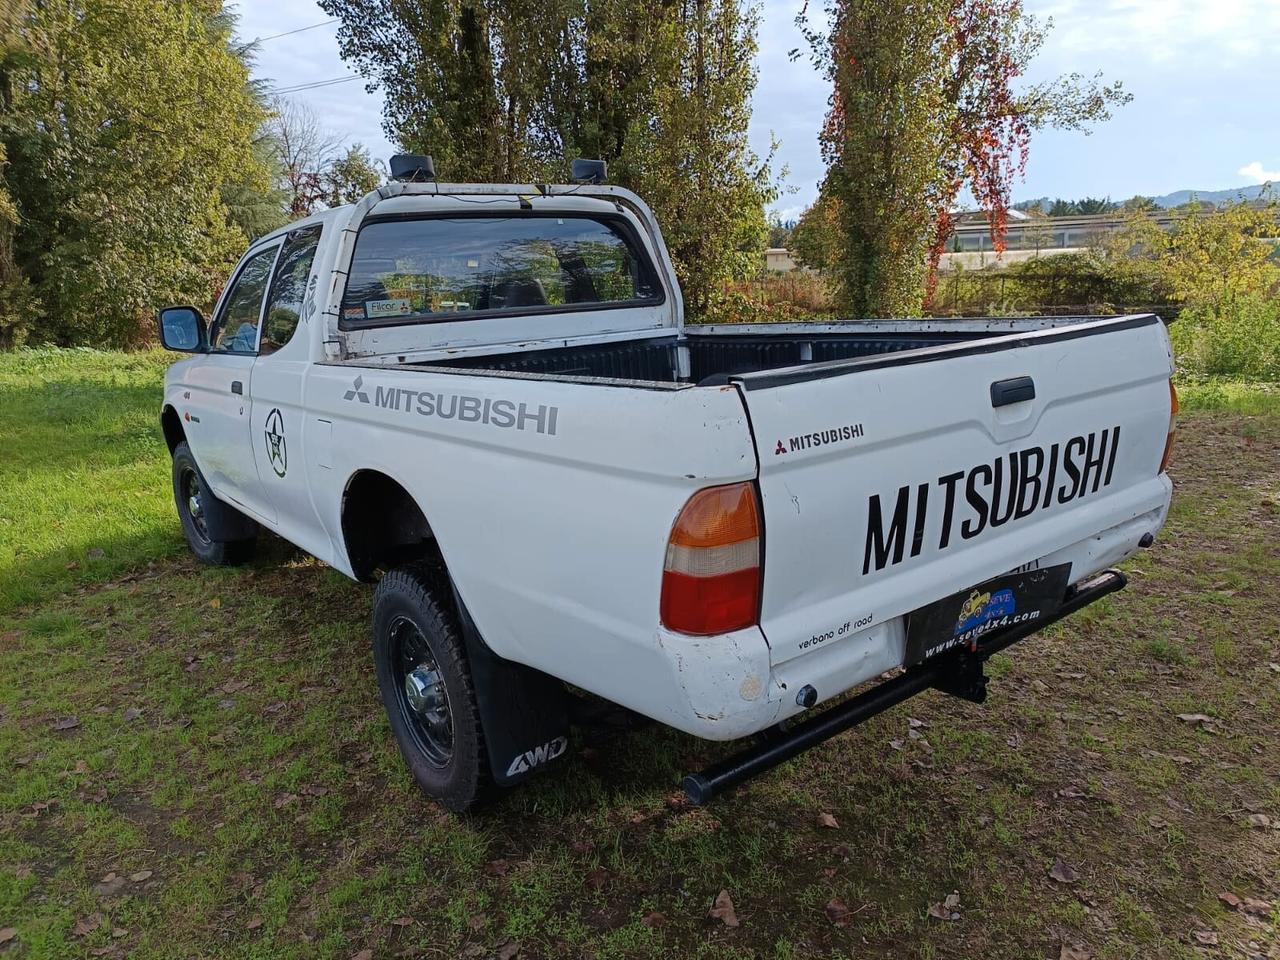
(436,269)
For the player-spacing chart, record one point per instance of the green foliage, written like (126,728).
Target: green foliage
(351,176)
(922,106)
(132,125)
(510,92)
(815,241)
(1242,340)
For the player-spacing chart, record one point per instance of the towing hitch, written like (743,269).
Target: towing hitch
(959,674)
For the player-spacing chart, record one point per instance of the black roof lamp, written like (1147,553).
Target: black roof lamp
(412,168)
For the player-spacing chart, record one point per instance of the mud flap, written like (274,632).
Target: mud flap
(524,711)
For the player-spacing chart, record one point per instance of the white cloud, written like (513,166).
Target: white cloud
(1253,171)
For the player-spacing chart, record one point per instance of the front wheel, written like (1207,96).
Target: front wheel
(426,686)
(206,520)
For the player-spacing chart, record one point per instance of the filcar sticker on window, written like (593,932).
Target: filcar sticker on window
(398,307)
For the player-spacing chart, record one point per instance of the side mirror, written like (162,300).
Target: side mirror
(183,329)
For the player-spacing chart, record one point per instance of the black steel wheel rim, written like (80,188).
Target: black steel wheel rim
(421,697)
(189,485)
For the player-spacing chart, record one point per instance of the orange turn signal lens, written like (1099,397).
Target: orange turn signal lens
(711,578)
(1173,414)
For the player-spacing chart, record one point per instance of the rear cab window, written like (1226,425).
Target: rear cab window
(449,268)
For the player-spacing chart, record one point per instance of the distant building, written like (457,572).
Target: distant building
(970,245)
(779,260)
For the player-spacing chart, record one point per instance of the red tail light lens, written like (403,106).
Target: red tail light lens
(1173,416)
(711,579)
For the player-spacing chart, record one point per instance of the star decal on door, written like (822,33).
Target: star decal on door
(277,453)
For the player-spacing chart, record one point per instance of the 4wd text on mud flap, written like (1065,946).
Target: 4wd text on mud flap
(545,753)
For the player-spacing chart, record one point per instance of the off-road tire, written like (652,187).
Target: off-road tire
(201,530)
(419,595)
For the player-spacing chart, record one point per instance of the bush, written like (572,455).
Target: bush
(771,297)
(1240,339)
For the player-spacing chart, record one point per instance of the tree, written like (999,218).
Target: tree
(780,231)
(923,106)
(1215,259)
(125,127)
(304,150)
(690,160)
(19,308)
(1092,206)
(511,91)
(815,242)
(352,175)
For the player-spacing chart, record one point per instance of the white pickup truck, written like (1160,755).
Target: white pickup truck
(484,397)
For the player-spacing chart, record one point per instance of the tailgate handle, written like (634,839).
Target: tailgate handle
(1013,390)
(238,387)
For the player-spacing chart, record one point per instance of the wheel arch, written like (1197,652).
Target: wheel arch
(382,524)
(171,427)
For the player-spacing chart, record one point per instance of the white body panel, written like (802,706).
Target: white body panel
(554,527)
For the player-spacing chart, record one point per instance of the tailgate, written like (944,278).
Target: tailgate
(891,482)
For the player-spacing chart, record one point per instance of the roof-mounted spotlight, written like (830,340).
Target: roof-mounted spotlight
(412,168)
(589,171)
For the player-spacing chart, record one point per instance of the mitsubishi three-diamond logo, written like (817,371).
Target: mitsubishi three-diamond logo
(355,393)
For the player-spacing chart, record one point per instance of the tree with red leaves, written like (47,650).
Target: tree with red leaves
(923,106)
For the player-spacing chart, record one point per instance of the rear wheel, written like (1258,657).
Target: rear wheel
(426,687)
(204,517)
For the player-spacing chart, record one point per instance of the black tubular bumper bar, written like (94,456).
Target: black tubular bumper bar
(958,674)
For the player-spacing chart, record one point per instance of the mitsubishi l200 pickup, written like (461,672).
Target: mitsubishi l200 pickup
(485,399)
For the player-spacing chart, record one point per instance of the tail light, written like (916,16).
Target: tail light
(711,579)
(1173,416)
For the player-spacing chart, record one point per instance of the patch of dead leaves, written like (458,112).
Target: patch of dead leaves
(948,909)
(1200,721)
(837,912)
(1259,908)
(722,909)
(1063,872)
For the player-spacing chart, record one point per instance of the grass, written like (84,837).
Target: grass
(83,483)
(194,762)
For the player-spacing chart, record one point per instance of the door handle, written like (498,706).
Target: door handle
(238,387)
(1013,390)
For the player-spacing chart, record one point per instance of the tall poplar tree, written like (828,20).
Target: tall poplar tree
(512,91)
(924,104)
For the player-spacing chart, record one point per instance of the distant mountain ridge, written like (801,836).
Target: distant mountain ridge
(1179,197)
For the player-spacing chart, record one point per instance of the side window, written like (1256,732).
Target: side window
(238,326)
(289,289)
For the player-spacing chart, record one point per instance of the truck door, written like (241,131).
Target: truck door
(218,428)
(279,428)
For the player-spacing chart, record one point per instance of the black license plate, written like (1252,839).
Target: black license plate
(965,618)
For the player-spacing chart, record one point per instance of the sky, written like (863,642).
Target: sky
(1204,76)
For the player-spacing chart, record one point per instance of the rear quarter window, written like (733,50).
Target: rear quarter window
(453,268)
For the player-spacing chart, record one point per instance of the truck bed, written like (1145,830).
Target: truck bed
(712,353)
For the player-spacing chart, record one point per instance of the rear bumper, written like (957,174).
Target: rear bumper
(958,673)
(732,686)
